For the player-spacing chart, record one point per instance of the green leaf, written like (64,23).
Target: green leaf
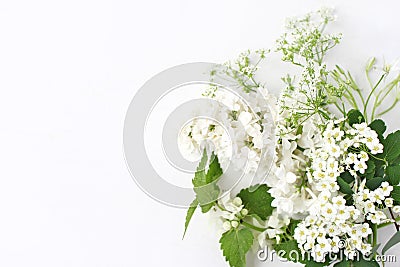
(375,182)
(347,177)
(200,175)
(189,214)
(257,200)
(235,244)
(396,193)
(375,249)
(345,188)
(393,172)
(288,250)
(214,170)
(344,263)
(316,264)
(205,184)
(371,167)
(378,126)
(349,200)
(365,263)
(354,117)
(392,146)
(392,241)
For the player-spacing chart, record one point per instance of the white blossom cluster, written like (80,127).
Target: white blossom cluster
(232,212)
(330,219)
(331,226)
(240,128)
(342,150)
(370,203)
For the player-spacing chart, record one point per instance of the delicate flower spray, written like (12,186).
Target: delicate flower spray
(334,179)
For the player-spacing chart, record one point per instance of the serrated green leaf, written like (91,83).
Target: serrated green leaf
(393,173)
(345,188)
(395,239)
(257,200)
(235,244)
(200,174)
(207,207)
(391,145)
(189,214)
(375,182)
(205,183)
(395,194)
(378,126)
(214,170)
(354,117)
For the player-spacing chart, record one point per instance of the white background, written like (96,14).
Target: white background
(68,70)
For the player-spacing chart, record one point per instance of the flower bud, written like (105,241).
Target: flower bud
(235,224)
(244,212)
(237,201)
(226,225)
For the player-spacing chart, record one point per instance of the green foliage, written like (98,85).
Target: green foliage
(288,250)
(378,126)
(200,174)
(393,173)
(205,183)
(235,244)
(364,263)
(392,147)
(375,182)
(257,200)
(205,186)
(396,193)
(395,239)
(347,177)
(344,263)
(355,116)
(345,188)
(360,262)
(189,214)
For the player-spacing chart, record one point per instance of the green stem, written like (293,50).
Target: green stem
(390,108)
(374,235)
(219,206)
(370,95)
(259,229)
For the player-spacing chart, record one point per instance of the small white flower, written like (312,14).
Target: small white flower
(389,202)
(396,209)
(324,244)
(339,201)
(360,166)
(376,148)
(363,156)
(351,158)
(329,211)
(386,189)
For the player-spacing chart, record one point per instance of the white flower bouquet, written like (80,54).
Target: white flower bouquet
(328,174)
